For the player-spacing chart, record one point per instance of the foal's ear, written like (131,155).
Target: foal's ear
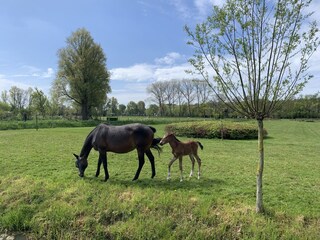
(77,157)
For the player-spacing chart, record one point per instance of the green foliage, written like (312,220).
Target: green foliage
(42,195)
(215,129)
(82,76)
(258,51)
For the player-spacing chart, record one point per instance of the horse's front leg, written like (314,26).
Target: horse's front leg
(199,165)
(169,167)
(141,162)
(192,165)
(103,159)
(98,167)
(181,169)
(151,159)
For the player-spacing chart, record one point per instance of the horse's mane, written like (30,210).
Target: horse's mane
(87,145)
(175,138)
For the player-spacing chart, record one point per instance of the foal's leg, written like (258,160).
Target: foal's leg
(151,159)
(199,164)
(103,159)
(192,165)
(181,170)
(169,166)
(141,162)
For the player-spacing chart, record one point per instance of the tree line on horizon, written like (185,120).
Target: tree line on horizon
(186,98)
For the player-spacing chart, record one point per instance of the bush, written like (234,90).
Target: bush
(215,129)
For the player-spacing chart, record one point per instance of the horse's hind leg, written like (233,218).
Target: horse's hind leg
(192,165)
(151,159)
(199,165)
(181,169)
(141,162)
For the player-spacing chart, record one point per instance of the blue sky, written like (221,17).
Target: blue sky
(143,40)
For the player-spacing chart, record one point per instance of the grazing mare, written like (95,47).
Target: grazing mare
(118,139)
(180,149)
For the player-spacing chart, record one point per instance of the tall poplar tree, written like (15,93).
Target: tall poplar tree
(83,77)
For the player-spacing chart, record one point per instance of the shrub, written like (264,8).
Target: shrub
(215,129)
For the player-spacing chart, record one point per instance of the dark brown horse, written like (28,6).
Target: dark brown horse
(118,139)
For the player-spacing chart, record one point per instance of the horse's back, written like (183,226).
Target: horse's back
(123,139)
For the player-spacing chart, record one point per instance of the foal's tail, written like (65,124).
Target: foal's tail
(200,145)
(155,145)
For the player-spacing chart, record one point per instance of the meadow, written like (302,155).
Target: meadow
(42,196)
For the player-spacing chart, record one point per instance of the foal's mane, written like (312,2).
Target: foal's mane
(174,137)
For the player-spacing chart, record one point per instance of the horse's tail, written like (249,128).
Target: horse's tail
(155,145)
(153,129)
(200,145)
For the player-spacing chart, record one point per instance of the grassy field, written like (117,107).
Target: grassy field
(42,196)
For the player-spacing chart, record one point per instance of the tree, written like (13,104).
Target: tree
(132,108)
(39,102)
(141,108)
(122,109)
(152,110)
(188,91)
(114,106)
(157,91)
(82,76)
(18,98)
(257,52)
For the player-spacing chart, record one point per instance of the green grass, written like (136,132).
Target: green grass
(42,195)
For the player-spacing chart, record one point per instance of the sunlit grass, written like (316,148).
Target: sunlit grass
(42,195)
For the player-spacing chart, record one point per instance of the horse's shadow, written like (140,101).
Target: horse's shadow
(204,185)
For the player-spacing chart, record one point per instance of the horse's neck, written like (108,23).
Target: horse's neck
(173,143)
(87,146)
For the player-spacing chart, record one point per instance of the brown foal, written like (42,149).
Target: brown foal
(180,149)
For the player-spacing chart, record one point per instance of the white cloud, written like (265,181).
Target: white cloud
(31,71)
(138,72)
(164,69)
(6,84)
(169,59)
(204,7)
(49,73)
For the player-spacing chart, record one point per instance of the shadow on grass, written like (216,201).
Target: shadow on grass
(203,185)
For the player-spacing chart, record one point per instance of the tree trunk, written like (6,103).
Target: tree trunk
(259,196)
(85,111)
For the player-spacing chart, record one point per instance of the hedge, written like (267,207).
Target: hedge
(215,129)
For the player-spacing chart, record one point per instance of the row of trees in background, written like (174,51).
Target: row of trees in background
(197,101)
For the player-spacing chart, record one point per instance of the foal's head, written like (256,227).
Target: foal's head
(81,164)
(167,138)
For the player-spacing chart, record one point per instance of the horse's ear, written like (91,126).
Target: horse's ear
(77,157)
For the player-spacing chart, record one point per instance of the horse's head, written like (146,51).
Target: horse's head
(81,164)
(166,138)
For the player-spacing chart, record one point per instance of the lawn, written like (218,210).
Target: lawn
(42,196)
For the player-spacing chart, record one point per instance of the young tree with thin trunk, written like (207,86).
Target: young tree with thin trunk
(255,54)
